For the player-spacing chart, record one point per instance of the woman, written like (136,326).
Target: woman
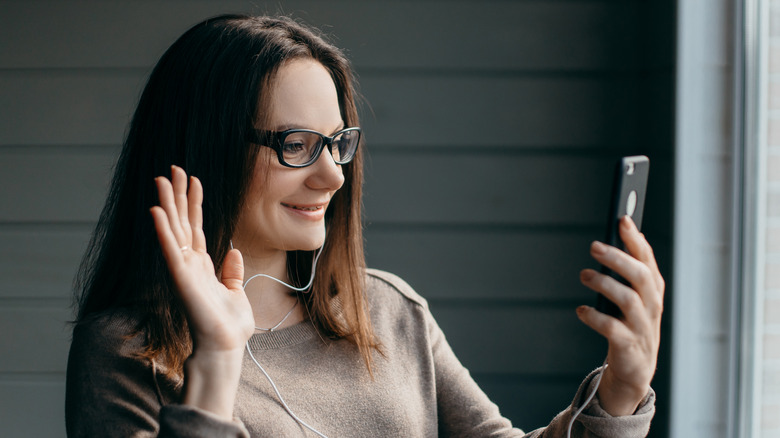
(258,265)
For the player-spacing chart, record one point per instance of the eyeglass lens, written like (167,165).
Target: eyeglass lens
(301,148)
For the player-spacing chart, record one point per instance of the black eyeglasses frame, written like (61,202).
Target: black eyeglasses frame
(275,140)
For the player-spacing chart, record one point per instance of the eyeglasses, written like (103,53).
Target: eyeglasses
(302,147)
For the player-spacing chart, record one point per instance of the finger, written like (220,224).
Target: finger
(635,272)
(627,299)
(611,328)
(637,246)
(179,180)
(167,203)
(640,249)
(233,270)
(168,243)
(195,202)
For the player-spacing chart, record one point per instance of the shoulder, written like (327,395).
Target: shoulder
(384,286)
(111,388)
(107,342)
(115,332)
(108,360)
(399,315)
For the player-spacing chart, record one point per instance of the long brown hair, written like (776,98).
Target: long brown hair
(201,100)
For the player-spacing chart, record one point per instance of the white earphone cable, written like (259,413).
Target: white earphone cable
(298,289)
(590,397)
(278,394)
(249,350)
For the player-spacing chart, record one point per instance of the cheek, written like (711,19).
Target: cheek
(261,186)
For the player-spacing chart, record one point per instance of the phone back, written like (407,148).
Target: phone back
(627,198)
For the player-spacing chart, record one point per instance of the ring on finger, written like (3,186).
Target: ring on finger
(184,248)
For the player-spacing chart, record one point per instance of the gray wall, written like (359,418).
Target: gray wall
(492,127)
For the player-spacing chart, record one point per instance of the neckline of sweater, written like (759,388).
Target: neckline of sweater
(286,337)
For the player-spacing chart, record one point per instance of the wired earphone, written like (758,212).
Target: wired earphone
(305,289)
(587,400)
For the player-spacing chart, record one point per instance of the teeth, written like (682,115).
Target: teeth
(306,208)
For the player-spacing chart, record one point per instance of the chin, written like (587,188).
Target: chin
(310,242)
(309,247)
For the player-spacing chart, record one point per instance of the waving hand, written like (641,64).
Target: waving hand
(218,312)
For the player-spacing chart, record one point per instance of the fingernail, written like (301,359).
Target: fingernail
(586,274)
(598,248)
(581,310)
(626,222)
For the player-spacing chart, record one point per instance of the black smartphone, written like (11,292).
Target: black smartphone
(628,198)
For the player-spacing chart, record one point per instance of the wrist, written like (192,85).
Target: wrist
(211,380)
(619,398)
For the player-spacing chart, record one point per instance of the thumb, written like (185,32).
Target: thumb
(233,270)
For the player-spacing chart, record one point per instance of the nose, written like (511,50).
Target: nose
(325,173)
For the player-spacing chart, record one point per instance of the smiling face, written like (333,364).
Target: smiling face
(285,207)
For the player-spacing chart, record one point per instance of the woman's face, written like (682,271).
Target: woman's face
(285,207)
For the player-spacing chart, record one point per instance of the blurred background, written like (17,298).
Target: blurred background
(492,128)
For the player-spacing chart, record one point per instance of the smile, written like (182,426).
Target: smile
(302,208)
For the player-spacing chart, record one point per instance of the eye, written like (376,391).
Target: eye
(293,146)
(297,143)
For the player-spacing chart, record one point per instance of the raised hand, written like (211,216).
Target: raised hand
(218,312)
(634,339)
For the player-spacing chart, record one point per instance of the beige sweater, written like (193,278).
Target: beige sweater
(420,389)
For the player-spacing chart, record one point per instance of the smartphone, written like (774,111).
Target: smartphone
(628,198)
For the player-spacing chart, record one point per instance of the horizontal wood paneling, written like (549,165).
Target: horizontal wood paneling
(478,263)
(539,340)
(54,185)
(40,262)
(505,189)
(32,408)
(94,107)
(67,107)
(35,338)
(501,111)
(441,35)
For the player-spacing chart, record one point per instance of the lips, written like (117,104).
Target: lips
(309,212)
(305,207)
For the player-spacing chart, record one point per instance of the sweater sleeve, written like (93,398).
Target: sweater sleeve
(465,411)
(595,421)
(111,391)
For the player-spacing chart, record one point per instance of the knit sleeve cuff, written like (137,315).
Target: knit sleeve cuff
(600,423)
(189,421)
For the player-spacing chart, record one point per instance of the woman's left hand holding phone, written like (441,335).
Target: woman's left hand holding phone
(219,315)
(634,339)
